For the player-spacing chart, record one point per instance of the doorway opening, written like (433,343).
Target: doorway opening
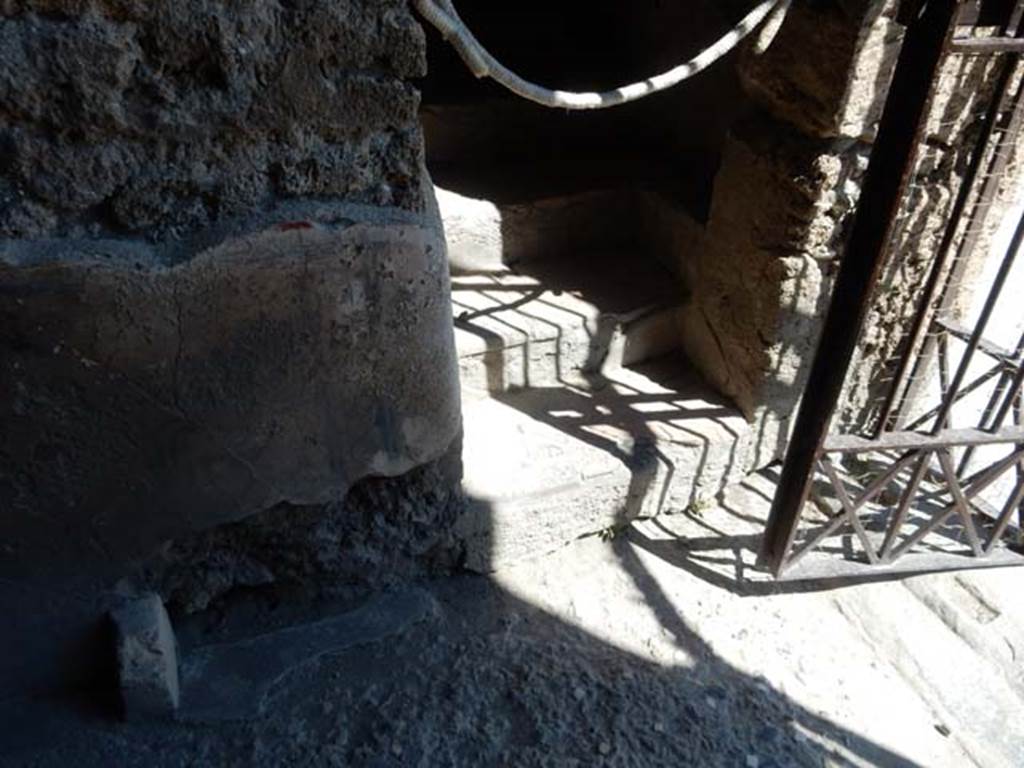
(572,237)
(602,207)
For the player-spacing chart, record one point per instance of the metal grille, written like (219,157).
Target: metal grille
(924,459)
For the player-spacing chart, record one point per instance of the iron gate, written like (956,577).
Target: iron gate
(928,472)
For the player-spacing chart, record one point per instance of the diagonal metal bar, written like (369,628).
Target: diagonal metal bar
(815,539)
(940,275)
(983,481)
(917,536)
(965,390)
(852,505)
(1003,521)
(985,346)
(850,508)
(900,516)
(998,284)
(835,522)
(1012,394)
(905,441)
(992,419)
(811,447)
(1019,419)
(985,477)
(961,505)
(879,482)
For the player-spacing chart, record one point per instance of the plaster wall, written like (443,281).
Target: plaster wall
(223,293)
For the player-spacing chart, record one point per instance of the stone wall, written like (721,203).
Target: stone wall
(782,202)
(162,118)
(955,119)
(763,279)
(223,293)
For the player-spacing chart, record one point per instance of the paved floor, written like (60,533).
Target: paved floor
(657,647)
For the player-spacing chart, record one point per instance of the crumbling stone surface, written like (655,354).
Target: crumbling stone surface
(484,236)
(386,531)
(147,659)
(162,118)
(952,130)
(473,232)
(779,214)
(827,70)
(782,203)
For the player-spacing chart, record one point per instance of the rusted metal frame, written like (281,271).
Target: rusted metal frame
(987,45)
(836,521)
(910,492)
(906,441)
(919,535)
(990,475)
(980,325)
(999,519)
(1011,395)
(1005,385)
(962,506)
(1020,467)
(998,167)
(1000,158)
(886,555)
(815,539)
(896,147)
(944,384)
(957,331)
(990,418)
(876,485)
(1003,521)
(965,390)
(937,477)
(850,507)
(982,474)
(940,275)
(900,516)
(1015,401)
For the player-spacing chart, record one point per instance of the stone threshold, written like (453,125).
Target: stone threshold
(549,464)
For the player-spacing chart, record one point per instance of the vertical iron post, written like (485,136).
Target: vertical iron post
(892,159)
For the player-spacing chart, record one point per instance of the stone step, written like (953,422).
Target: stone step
(580,413)
(491,234)
(564,322)
(546,465)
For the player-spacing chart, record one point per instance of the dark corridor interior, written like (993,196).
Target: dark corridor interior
(485,142)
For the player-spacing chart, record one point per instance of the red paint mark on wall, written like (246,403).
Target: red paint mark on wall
(289,226)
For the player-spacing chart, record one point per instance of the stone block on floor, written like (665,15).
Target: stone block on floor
(147,659)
